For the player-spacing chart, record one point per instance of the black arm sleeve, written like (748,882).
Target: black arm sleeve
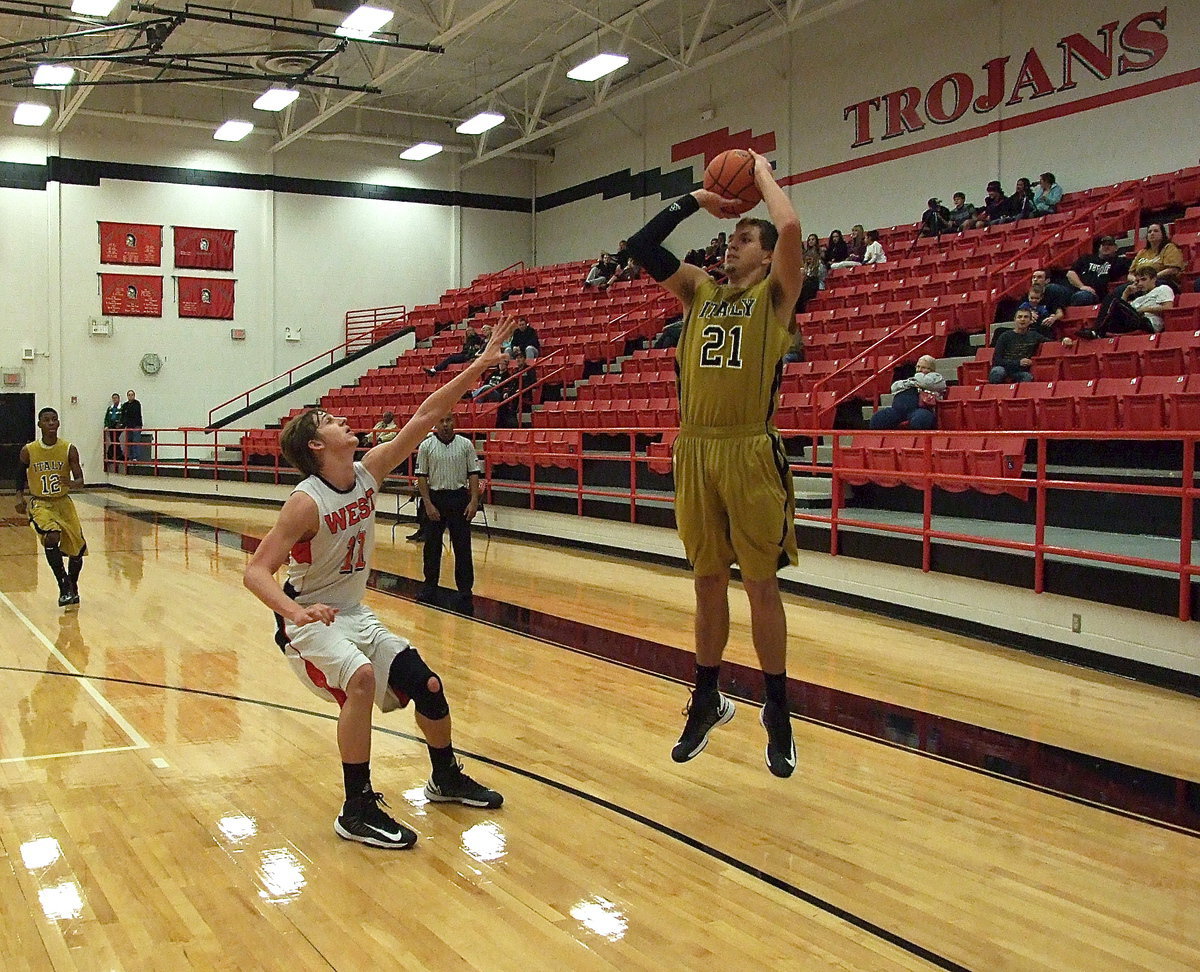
(646,244)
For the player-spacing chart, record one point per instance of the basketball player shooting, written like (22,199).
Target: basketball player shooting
(337,647)
(733,486)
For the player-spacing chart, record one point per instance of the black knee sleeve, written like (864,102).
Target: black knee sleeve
(409,678)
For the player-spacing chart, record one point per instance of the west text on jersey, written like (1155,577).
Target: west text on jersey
(351,513)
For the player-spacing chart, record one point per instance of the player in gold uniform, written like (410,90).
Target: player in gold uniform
(51,470)
(733,488)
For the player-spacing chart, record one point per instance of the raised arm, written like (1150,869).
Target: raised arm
(646,245)
(787,264)
(382,459)
(297,522)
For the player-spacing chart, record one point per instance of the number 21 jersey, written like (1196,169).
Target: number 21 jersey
(729,357)
(331,568)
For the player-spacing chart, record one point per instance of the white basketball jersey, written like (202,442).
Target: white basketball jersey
(331,568)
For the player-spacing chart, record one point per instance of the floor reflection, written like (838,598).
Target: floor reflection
(601,917)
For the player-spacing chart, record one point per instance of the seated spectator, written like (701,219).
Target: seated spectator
(856,248)
(814,272)
(385,429)
(914,399)
(1047,313)
(1160,255)
(874,252)
(601,271)
(525,338)
(1048,195)
(936,219)
(631,271)
(1019,204)
(795,353)
(963,213)
(473,343)
(622,255)
(996,207)
(1138,309)
(836,250)
(1091,276)
(1014,351)
(668,337)
(487,390)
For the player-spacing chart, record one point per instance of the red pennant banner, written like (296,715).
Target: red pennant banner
(205,297)
(203,249)
(132,243)
(131,295)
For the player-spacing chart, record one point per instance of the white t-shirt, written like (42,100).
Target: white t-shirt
(875,254)
(1162,294)
(332,567)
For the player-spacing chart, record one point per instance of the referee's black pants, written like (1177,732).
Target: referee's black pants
(452,505)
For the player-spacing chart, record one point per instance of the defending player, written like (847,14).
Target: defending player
(338,648)
(50,469)
(734,500)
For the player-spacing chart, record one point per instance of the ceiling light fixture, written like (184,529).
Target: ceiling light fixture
(233,131)
(480,123)
(56,76)
(364,22)
(597,67)
(93,8)
(420,151)
(31,113)
(276,99)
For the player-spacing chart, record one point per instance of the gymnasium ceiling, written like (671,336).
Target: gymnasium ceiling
(436,63)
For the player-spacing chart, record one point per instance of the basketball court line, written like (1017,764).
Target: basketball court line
(105,706)
(757,873)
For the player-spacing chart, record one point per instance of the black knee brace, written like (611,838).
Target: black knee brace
(409,678)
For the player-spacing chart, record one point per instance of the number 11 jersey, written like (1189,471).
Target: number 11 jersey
(331,568)
(729,358)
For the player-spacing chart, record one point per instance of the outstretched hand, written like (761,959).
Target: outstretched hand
(719,206)
(492,353)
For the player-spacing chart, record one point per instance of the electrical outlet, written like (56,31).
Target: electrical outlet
(1076,623)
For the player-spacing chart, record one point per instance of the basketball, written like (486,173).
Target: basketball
(731,175)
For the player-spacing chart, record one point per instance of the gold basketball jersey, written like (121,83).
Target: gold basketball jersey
(49,472)
(729,357)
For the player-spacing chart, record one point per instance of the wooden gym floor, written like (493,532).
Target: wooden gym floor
(168,788)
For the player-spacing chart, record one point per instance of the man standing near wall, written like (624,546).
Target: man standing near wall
(448,477)
(734,499)
(131,421)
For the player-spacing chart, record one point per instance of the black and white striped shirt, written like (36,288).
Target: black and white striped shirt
(447,464)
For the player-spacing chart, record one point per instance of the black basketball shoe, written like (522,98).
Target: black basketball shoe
(703,716)
(64,593)
(781,746)
(72,593)
(364,819)
(457,787)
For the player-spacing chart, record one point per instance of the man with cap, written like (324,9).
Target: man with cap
(936,219)
(996,207)
(1091,276)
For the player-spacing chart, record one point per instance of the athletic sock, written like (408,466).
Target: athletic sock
(442,759)
(776,690)
(357,777)
(54,558)
(706,679)
(74,566)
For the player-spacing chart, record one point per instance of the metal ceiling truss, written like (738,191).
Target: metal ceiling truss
(146,37)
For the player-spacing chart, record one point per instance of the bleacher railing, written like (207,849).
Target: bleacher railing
(283,381)
(367,325)
(218,454)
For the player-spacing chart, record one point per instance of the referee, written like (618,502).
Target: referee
(448,477)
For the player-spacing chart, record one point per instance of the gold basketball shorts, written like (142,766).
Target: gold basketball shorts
(734,502)
(58,515)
